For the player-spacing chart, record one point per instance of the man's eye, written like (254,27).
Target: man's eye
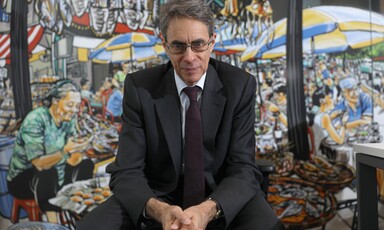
(178,46)
(198,44)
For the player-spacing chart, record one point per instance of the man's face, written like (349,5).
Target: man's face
(351,95)
(190,65)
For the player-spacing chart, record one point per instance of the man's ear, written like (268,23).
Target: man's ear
(213,41)
(164,42)
(161,36)
(214,38)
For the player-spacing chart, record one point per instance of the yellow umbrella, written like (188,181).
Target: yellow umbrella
(130,53)
(339,42)
(133,46)
(326,29)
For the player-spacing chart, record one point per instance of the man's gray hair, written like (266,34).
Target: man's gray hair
(194,9)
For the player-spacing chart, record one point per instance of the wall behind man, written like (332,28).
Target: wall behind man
(85,38)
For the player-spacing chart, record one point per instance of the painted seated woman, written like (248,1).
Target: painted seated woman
(46,154)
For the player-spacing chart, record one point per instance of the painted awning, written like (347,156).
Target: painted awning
(34,35)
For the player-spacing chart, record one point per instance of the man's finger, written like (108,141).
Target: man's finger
(175,225)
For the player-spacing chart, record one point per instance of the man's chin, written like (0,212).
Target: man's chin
(192,78)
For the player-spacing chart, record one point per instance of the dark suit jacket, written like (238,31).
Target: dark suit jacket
(149,158)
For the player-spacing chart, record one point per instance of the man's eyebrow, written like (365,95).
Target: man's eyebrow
(177,42)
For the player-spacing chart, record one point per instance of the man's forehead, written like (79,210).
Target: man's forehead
(181,28)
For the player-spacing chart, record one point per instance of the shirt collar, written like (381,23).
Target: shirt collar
(180,84)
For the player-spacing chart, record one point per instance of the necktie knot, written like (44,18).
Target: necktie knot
(191,92)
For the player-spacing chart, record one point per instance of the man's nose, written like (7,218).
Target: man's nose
(189,55)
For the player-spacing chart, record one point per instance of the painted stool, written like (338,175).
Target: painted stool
(30,206)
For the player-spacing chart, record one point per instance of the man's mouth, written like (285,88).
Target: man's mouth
(190,69)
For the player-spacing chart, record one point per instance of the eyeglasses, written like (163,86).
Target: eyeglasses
(197,47)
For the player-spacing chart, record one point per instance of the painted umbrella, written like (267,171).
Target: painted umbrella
(326,29)
(128,47)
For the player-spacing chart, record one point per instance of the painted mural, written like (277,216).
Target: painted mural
(52,160)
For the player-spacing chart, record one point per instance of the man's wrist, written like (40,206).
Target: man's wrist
(153,209)
(145,213)
(218,212)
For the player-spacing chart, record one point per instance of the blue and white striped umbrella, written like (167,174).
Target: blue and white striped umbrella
(128,47)
(326,29)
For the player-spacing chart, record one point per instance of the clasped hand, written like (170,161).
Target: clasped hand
(192,218)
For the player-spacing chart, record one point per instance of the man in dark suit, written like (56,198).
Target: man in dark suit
(148,174)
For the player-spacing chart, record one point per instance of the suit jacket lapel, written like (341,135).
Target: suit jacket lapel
(212,104)
(168,109)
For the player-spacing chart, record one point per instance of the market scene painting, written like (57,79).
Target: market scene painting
(63,65)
